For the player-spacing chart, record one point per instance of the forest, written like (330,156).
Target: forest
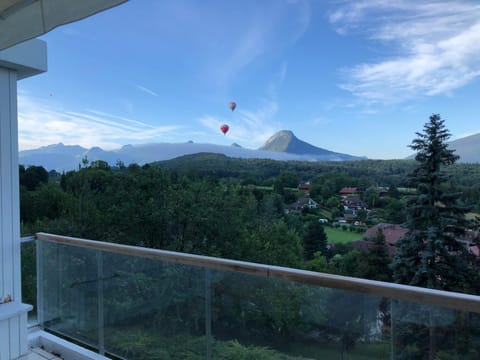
(235,208)
(236,211)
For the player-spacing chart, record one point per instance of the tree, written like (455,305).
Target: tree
(394,210)
(371,196)
(314,240)
(429,255)
(285,180)
(393,192)
(378,260)
(33,176)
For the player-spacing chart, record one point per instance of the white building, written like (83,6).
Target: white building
(21,20)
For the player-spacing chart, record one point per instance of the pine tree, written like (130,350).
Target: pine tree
(378,259)
(314,240)
(429,255)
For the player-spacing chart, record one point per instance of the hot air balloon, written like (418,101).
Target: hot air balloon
(224,128)
(232,105)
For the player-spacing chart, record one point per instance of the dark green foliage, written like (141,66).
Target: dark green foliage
(272,244)
(29,278)
(47,202)
(371,196)
(314,240)
(430,255)
(393,192)
(360,172)
(394,210)
(32,177)
(329,184)
(143,345)
(369,264)
(285,180)
(378,260)
(212,212)
(149,206)
(327,178)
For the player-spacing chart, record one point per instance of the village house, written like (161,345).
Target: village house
(304,187)
(348,191)
(392,233)
(354,204)
(305,202)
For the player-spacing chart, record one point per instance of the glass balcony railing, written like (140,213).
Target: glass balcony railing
(137,303)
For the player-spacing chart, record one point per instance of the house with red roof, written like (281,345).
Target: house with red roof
(347,191)
(392,233)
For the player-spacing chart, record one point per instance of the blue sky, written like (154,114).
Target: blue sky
(358,77)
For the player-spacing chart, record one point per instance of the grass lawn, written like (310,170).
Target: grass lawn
(268,188)
(339,236)
(472,216)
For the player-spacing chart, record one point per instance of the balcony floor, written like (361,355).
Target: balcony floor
(39,354)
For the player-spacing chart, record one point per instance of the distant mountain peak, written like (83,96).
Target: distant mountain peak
(279,141)
(468,148)
(283,146)
(286,141)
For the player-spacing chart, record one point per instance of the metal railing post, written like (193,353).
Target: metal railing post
(39,268)
(100,314)
(208,314)
(392,336)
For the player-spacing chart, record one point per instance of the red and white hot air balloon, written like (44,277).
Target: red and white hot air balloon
(224,129)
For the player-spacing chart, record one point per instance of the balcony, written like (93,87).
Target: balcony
(126,302)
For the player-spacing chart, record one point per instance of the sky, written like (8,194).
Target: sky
(357,77)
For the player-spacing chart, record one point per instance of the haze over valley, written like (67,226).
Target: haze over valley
(283,145)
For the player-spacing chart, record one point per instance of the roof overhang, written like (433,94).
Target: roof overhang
(27,59)
(22,20)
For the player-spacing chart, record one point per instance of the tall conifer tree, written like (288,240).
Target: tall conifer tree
(378,259)
(314,240)
(429,255)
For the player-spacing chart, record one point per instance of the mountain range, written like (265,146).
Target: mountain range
(283,145)
(468,148)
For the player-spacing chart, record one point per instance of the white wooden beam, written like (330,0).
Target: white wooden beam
(27,59)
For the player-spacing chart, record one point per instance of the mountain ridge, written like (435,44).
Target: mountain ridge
(286,141)
(62,157)
(467,147)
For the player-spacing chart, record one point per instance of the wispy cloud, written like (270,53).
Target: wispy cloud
(277,80)
(437,47)
(41,124)
(248,128)
(285,24)
(320,121)
(146,90)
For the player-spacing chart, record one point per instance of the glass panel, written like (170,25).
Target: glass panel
(126,306)
(423,331)
(138,308)
(274,319)
(153,309)
(68,287)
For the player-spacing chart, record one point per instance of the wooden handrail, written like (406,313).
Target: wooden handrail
(452,300)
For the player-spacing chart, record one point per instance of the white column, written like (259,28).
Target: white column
(9,204)
(15,63)
(13,316)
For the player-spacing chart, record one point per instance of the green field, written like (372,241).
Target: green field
(338,236)
(472,216)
